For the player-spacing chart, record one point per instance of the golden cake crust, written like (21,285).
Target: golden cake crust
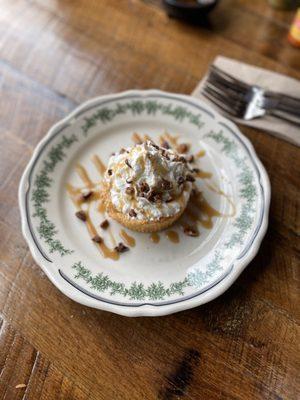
(140,225)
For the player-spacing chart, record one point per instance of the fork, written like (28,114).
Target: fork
(247,102)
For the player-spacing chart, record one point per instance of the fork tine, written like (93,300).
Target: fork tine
(236,93)
(229,78)
(226,103)
(224,85)
(232,101)
(220,104)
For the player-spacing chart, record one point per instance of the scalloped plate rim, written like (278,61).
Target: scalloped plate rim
(145,309)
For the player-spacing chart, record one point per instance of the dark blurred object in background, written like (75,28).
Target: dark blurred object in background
(284,4)
(194,11)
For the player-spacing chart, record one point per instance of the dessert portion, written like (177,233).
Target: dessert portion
(147,187)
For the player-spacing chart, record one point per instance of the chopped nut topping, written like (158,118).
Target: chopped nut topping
(132,213)
(190,159)
(195,192)
(182,148)
(165,154)
(180,180)
(155,145)
(154,196)
(121,248)
(104,224)
(129,190)
(81,215)
(191,231)
(122,151)
(166,185)
(196,170)
(151,195)
(182,159)
(86,195)
(144,187)
(109,172)
(190,178)
(165,145)
(97,239)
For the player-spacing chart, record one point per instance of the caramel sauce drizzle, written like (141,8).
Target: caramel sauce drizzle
(154,237)
(101,207)
(84,176)
(200,153)
(173,140)
(136,138)
(227,197)
(203,174)
(172,236)
(127,238)
(76,196)
(101,168)
(198,209)
(106,251)
(203,208)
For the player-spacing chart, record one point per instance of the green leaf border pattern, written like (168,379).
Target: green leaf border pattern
(248,191)
(137,107)
(136,291)
(40,196)
(199,278)
(243,222)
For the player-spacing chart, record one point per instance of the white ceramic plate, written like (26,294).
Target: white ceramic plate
(151,279)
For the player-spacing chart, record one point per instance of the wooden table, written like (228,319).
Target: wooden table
(56,54)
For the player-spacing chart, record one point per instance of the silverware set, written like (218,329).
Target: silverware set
(247,102)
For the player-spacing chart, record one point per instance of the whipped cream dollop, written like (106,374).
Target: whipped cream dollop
(148,182)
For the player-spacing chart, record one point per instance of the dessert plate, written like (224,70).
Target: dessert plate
(155,277)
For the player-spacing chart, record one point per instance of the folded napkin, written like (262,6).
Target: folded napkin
(268,80)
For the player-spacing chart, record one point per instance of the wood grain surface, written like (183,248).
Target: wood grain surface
(55,54)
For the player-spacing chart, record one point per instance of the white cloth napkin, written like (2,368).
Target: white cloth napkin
(266,79)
